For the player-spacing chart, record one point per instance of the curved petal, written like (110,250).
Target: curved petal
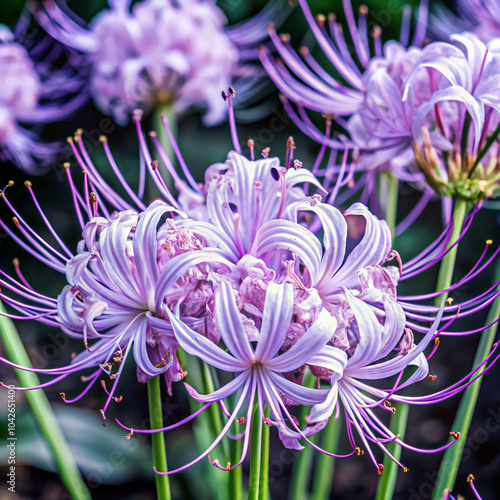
(227,318)
(287,235)
(331,358)
(372,249)
(145,244)
(324,410)
(275,320)
(370,332)
(398,363)
(394,325)
(141,355)
(179,265)
(459,94)
(223,392)
(298,393)
(334,237)
(310,344)
(112,243)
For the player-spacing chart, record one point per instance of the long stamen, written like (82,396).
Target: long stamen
(178,154)
(224,431)
(232,120)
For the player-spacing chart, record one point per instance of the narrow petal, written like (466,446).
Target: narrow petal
(223,392)
(228,321)
(145,244)
(179,265)
(275,321)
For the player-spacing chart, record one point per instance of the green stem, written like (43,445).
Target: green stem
(236,475)
(264,461)
(387,482)
(399,421)
(325,467)
(40,406)
(452,456)
(203,426)
(302,467)
(448,263)
(388,199)
(255,456)
(158,440)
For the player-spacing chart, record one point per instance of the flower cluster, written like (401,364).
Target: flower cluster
(252,276)
(255,274)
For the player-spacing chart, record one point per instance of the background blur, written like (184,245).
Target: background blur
(118,469)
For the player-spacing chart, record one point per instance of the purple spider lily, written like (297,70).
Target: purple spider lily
(305,83)
(372,321)
(241,197)
(124,269)
(362,95)
(126,265)
(375,342)
(155,53)
(31,95)
(328,270)
(259,370)
(258,262)
(460,156)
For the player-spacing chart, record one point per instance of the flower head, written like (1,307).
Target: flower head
(259,370)
(460,156)
(155,53)
(310,86)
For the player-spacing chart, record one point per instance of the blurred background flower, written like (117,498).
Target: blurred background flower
(156,53)
(33,93)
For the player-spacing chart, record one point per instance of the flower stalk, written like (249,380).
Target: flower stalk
(264,459)
(325,468)
(303,465)
(388,185)
(42,411)
(448,263)
(255,483)
(236,475)
(158,440)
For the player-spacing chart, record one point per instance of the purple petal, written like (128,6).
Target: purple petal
(145,246)
(223,392)
(372,249)
(228,321)
(198,345)
(298,393)
(275,320)
(179,265)
(287,235)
